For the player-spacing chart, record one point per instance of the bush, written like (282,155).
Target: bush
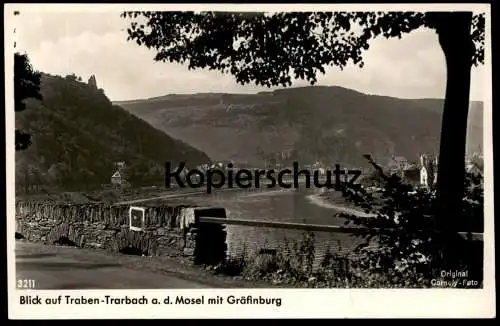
(413,247)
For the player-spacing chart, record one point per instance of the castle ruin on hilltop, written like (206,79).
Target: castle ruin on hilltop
(92,81)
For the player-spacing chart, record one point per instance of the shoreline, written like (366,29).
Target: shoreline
(318,200)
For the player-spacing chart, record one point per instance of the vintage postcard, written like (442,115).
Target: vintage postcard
(249,161)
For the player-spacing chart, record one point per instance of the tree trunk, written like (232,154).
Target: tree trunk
(454,31)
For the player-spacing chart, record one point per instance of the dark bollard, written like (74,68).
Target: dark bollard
(210,239)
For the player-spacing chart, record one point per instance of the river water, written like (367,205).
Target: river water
(296,206)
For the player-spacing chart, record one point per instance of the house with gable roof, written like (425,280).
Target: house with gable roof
(119,178)
(116,178)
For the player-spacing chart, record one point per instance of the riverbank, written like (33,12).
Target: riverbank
(335,201)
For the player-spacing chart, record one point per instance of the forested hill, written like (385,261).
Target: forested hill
(78,135)
(332,124)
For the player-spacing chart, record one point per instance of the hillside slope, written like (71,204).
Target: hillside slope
(332,124)
(79,135)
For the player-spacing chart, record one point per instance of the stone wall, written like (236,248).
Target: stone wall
(108,227)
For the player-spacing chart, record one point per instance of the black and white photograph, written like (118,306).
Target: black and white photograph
(258,148)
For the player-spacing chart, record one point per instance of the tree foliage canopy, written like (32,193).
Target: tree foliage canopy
(26,85)
(26,81)
(271,48)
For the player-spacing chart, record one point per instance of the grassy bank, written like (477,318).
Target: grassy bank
(294,265)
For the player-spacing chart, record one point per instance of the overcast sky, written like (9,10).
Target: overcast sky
(89,43)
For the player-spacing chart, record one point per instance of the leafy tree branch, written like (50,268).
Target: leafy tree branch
(26,85)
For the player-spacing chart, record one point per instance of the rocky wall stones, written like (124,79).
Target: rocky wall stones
(107,227)
(101,226)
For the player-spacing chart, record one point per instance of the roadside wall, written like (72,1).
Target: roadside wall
(164,233)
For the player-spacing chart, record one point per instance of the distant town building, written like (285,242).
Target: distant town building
(116,179)
(282,158)
(428,170)
(286,154)
(120,165)
(120,176)
(411,174)
(398,164)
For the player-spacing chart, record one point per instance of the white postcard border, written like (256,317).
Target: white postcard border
(296,303)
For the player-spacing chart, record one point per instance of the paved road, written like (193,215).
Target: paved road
(71,268)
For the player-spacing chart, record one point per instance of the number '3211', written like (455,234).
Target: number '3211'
(25,284)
